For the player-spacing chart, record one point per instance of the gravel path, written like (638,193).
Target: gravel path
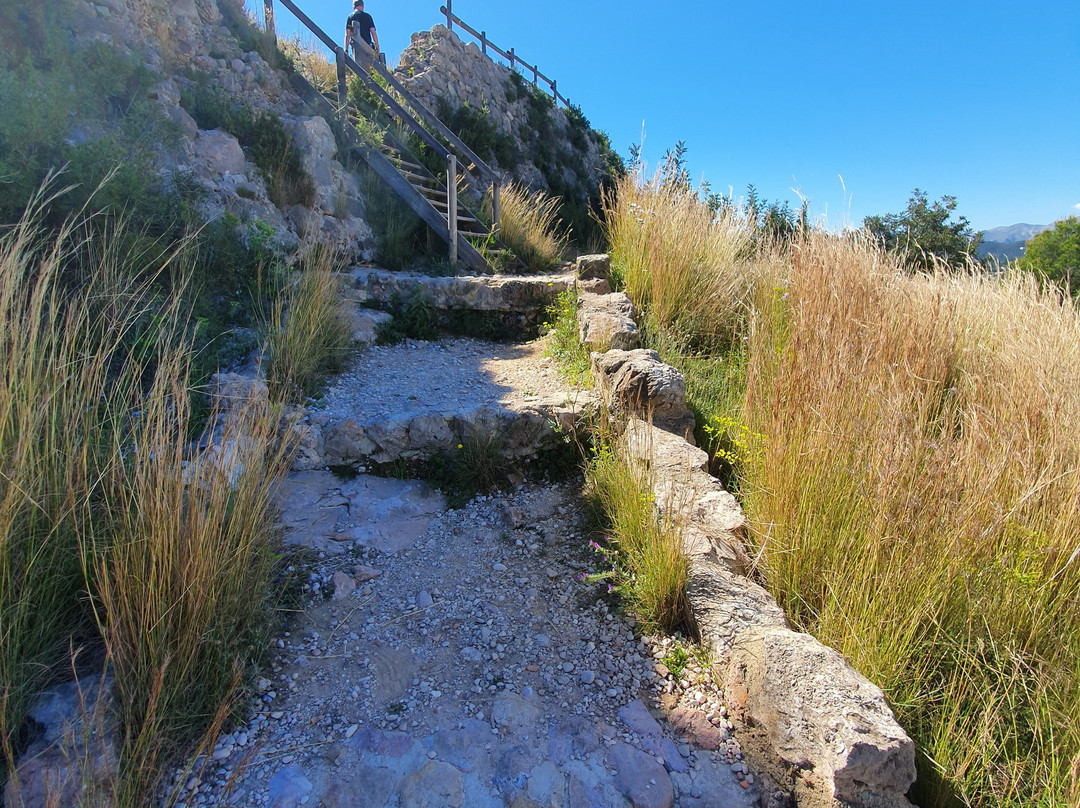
(473,665)
(446,376)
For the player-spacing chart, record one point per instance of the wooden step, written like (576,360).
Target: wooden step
(410,176)
(431,193)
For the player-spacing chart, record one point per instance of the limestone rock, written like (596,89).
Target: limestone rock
(641,778)
(221,152)
(607,322)
(477,292)
(436,785)
(637,382)
(75,758)
(821,715)
(365,324)
(593,267)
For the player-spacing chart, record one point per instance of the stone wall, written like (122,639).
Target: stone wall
(796,700)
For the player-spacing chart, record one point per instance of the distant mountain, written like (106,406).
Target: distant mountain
(1003,251)
(1014,233)
(1008,243)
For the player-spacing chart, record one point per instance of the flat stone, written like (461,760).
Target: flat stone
(436,785)
(288,787)
(637,717)
(464,748)
(695,727)
(640,778)
(515,715)
(344,586)
(385,744)
(364,787)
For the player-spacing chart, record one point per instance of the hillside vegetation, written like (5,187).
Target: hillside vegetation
(903,446)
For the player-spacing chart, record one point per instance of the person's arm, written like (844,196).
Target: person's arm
(375,40)
(348,36)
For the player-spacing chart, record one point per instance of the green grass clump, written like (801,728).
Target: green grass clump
(564,340)
(112,536)
(642,558)
(307,329)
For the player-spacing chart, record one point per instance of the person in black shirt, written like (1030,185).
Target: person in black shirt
(360,26)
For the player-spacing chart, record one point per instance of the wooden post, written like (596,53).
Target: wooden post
(496,205)
(483,42)
(451,202)
(449,15)
(511,52)
(342,82)
(271,28)
(554,92)
(536,74)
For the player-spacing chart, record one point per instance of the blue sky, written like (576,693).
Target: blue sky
(850,104)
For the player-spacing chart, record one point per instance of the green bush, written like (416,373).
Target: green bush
(262,136)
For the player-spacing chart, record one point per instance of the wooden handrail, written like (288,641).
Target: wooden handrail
(510,56)
(486,173)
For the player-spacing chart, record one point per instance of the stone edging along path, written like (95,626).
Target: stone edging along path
(798,699)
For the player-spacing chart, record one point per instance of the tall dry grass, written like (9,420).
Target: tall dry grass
(920,493)
(916,493)
(530,226)
(307,329)
(682,265)
(114,535)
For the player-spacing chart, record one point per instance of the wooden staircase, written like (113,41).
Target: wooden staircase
(470,238)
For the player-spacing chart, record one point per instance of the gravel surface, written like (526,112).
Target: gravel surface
(447,376)
(474,663)
(479,649)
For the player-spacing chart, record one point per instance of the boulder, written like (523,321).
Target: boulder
(607,322)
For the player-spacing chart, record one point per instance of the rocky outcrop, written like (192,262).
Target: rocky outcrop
(440,65)
(191,39)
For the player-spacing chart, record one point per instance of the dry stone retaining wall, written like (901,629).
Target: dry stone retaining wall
(829,724)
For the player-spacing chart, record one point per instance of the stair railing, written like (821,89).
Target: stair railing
(509,55)
(415,119)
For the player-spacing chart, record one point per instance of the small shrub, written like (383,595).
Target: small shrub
(564,340)
(477,465)
(261,135)
(413,318)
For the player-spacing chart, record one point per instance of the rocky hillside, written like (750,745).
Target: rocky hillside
(213,110)
(504,119)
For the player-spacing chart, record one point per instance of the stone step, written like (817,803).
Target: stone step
(517,294)
(417,400)
(524,430)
